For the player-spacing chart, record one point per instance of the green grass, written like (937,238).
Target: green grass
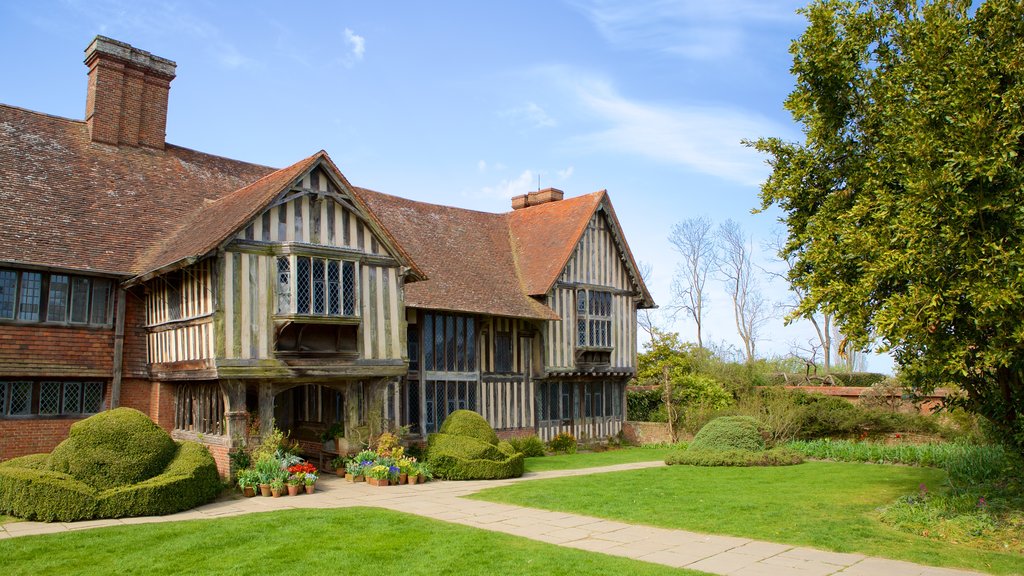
(832,506)
(7,519)
(592,459)
(346,541)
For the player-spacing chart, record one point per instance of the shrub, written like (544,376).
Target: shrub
(642,404)
(466,450)
(44,495)
(728,433)
(469,423)
(774,457)
(31,488)
(190,479)
(113,448)
(563,442)
(530,446)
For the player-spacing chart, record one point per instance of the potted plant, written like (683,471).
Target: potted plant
(330,435)
(309,479)
(339,464)
(405,466)
(378,475)
(248,480)
(267,468)
(295,483)
(276,486)
(423,472)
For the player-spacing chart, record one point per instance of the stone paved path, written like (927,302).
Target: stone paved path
(442,501)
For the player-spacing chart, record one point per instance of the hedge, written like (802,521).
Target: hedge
(530,446)
(44,495)
(471,424)
(114,448)
(466,448)
(729,433)
(774,457)
(191,479)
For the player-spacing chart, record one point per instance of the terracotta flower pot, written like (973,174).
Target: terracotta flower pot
(412,478)
(350,477)
(275,492)
(248,492)
(310,488)
(293,489)
(265,489)
(377,482)
(359,479)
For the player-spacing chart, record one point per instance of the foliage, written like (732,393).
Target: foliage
(530,446)
(729,433)
(469,423)
(642,404)
(267,468)
(113,448)
(388,444)
(563,442)
(467,448)
(333,431)
(239,460)
(773,457)
(903,203)
(965,464)
(248,478)
(984,516)
(376,541)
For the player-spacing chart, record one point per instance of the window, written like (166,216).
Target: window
(323,287)
(502,352)
(413,342)
(593,319)
(199,408)
(443,398)
(449,343)
(58,298)
(50,398)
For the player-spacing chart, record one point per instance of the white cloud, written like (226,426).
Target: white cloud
(693,29)
(705,139)
(481,166)
(507,188)
(565,174)
(356,47)
(529,116)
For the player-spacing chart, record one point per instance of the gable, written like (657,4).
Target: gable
(597,259)
(316,211)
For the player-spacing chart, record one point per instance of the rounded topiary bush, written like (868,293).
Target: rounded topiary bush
(114,448)
(471,424)
(729,433)
(467,448)
(65,486)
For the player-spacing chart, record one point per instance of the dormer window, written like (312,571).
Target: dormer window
(593,319)
(310,286)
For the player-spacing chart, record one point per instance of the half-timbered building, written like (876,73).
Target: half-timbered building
(220,296)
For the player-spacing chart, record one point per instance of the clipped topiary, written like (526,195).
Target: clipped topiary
(467,448)
(114,448)
(773,457)
(471,424)
(729,433)
(65,486)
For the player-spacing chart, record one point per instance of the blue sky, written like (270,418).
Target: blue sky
(466,103)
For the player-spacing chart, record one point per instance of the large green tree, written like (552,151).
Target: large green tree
(905,203)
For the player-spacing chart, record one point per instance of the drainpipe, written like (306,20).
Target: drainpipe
(115,386)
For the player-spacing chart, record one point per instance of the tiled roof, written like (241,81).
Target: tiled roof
(67,202)
(466,256)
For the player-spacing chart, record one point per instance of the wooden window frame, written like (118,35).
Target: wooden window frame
(35,298)
(35,400)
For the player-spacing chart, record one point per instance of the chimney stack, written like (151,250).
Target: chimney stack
(535,198)
(127,98)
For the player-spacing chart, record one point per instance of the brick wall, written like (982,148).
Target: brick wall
(32,436)
(55,351)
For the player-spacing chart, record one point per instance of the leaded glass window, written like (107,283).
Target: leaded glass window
(31,290)
(8,293)
(284,283)
(323,287)
(593,319)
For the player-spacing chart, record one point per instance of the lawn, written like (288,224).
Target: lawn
(832,506)
(345,541)
(592,459)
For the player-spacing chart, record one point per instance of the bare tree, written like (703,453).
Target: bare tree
(822,321)
(737,269)
(694,239)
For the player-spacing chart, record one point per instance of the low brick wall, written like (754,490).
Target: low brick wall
(853,394)
(646,432)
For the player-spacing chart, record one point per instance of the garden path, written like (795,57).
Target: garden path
(725,555)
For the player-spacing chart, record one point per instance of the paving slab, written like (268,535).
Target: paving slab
(726,555)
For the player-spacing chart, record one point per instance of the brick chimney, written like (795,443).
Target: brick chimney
(535,198)
(127,99)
